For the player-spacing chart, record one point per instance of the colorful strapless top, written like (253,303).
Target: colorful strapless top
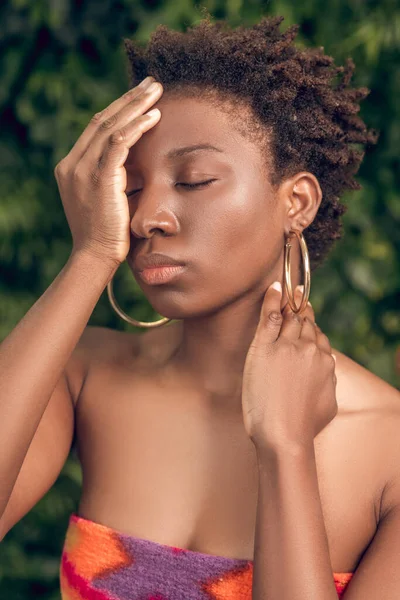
(100,563)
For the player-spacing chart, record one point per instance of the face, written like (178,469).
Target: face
(228,231)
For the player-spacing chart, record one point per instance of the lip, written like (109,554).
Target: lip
(159,275)
(153,260)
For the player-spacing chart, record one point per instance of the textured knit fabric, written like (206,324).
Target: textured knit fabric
(100,563)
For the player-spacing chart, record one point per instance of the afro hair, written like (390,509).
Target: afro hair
(301,102)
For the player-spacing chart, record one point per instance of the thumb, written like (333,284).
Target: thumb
(271,318)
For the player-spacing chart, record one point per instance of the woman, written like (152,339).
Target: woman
(224,454)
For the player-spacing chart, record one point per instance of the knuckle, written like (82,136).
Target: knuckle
(310,347)
(274,317)
(98,117)
(78,175)
(94,177)
(286,350)
(135,101)
(295,348)
(117,137)
(286,345)
(60,168)
(108,123)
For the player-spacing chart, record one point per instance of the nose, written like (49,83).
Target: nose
(152,214)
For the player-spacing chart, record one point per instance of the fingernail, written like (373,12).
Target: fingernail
(334,357)
(277,286)
(153,113)
(300,288)
(154,86)
(309,303)
(146,82)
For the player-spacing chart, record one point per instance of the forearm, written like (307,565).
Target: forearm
(34,355)
(291,552)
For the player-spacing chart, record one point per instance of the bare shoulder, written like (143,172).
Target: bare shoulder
(95,346)
(372,405)
(360,389)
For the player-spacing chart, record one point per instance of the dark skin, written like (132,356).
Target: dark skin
(190,372)
(165,449)
(219,298)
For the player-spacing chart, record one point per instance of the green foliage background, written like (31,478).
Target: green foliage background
(61,62)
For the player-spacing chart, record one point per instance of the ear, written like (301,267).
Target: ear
(302,197)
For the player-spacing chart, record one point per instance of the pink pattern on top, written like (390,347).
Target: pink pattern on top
(101,563)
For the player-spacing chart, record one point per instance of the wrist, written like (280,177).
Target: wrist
(282,448)
(91,261)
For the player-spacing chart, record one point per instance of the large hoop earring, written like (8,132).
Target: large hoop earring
(306,269)
(126,317)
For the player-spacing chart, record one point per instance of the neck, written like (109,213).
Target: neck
(213,349)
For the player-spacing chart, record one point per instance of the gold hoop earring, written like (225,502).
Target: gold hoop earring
(126,317)
(307,271)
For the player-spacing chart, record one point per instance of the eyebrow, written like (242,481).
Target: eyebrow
(186,149)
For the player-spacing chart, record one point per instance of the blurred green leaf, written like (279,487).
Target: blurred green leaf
(62,62)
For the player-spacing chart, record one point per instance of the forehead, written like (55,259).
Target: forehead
(187,121)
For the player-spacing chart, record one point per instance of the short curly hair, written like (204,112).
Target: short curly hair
(308,120)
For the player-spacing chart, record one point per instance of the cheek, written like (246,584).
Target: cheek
(237,235)
(241,220)
(254,241)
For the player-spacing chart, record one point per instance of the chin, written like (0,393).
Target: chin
(179,305)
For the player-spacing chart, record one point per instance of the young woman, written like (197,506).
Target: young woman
(225,452)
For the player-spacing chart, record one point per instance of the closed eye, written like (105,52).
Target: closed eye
(196,185)
(186,185)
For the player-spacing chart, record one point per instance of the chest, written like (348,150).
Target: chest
(162,464)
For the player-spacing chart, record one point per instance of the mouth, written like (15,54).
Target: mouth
(161,274)
(154,259)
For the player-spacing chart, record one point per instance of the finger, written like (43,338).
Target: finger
(323,340)
(136,108)
(298,296)
(84,139)
(306,318)
(270,317)
(320,338)
(120,142)
(291,324)
(308,331)
(309,312)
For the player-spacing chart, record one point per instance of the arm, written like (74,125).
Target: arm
(33,358)
(291,543)
(291,553)
(377,576)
